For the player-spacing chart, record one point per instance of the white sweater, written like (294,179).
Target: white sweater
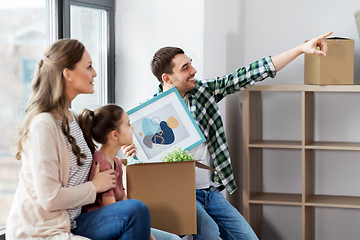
(41,199)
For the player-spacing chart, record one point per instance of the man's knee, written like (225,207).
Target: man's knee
(206,227)
(207,234)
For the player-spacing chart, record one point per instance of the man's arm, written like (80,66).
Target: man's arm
(314,46)
(129,150)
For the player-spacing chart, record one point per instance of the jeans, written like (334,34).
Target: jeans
(217,217)
(128,219)
(161,235)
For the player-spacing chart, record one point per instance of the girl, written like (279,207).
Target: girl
(109,126)
(56,160)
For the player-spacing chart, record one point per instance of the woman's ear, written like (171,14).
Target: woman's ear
(67,74)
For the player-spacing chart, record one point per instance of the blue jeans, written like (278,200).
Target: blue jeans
(217,217)
(128,219)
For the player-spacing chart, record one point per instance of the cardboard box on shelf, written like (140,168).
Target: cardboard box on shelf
(168,190)
(336,68)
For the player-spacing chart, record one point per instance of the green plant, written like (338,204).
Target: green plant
(177,155)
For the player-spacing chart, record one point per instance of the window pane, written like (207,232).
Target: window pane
(22,43)
(89,25)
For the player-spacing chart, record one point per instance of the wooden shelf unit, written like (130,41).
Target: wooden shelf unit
(253,144)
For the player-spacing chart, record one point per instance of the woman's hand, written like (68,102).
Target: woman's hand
(103,181)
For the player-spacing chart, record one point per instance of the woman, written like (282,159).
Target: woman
(56,159)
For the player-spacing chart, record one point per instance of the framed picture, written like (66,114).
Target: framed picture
(357,20)
(162,124)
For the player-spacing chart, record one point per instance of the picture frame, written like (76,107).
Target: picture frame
(162,124)
(357,20)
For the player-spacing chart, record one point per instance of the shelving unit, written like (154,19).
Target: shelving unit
(253,144)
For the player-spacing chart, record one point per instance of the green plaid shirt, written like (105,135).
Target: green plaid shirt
(203,101)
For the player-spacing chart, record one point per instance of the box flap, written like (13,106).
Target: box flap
(197,164)
(124,161)
(203,166)
(335,38)
(338,38)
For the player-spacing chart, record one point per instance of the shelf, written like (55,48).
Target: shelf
(348,146)
(305,88)
(276,144)
(334,146)
(276,198)
(333,201)
(254,195)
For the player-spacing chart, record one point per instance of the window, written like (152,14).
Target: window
(89,26)
(27,27)
(23,39)
(92,23)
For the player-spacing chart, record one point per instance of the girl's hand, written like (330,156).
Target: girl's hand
(129,150)
(103,181)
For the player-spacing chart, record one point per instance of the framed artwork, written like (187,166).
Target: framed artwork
(161,124)
(357,20)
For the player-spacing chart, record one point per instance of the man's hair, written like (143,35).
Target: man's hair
(162,61)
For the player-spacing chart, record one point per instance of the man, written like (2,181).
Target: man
(216,217)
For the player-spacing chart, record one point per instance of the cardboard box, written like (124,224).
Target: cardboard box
(168,189)
(336,68)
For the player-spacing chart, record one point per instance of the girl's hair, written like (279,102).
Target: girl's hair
(48,89)
(98,124)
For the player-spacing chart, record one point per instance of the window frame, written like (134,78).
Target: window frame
(59,18)
(64,32)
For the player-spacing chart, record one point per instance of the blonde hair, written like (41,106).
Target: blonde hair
(48,89)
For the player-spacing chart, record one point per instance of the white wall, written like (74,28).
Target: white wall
(142,27)
(221,36)
(279,25)
(224,53)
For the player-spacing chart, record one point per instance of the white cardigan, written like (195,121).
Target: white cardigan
(41,199)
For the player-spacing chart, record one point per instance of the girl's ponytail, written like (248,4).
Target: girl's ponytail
(86,121)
